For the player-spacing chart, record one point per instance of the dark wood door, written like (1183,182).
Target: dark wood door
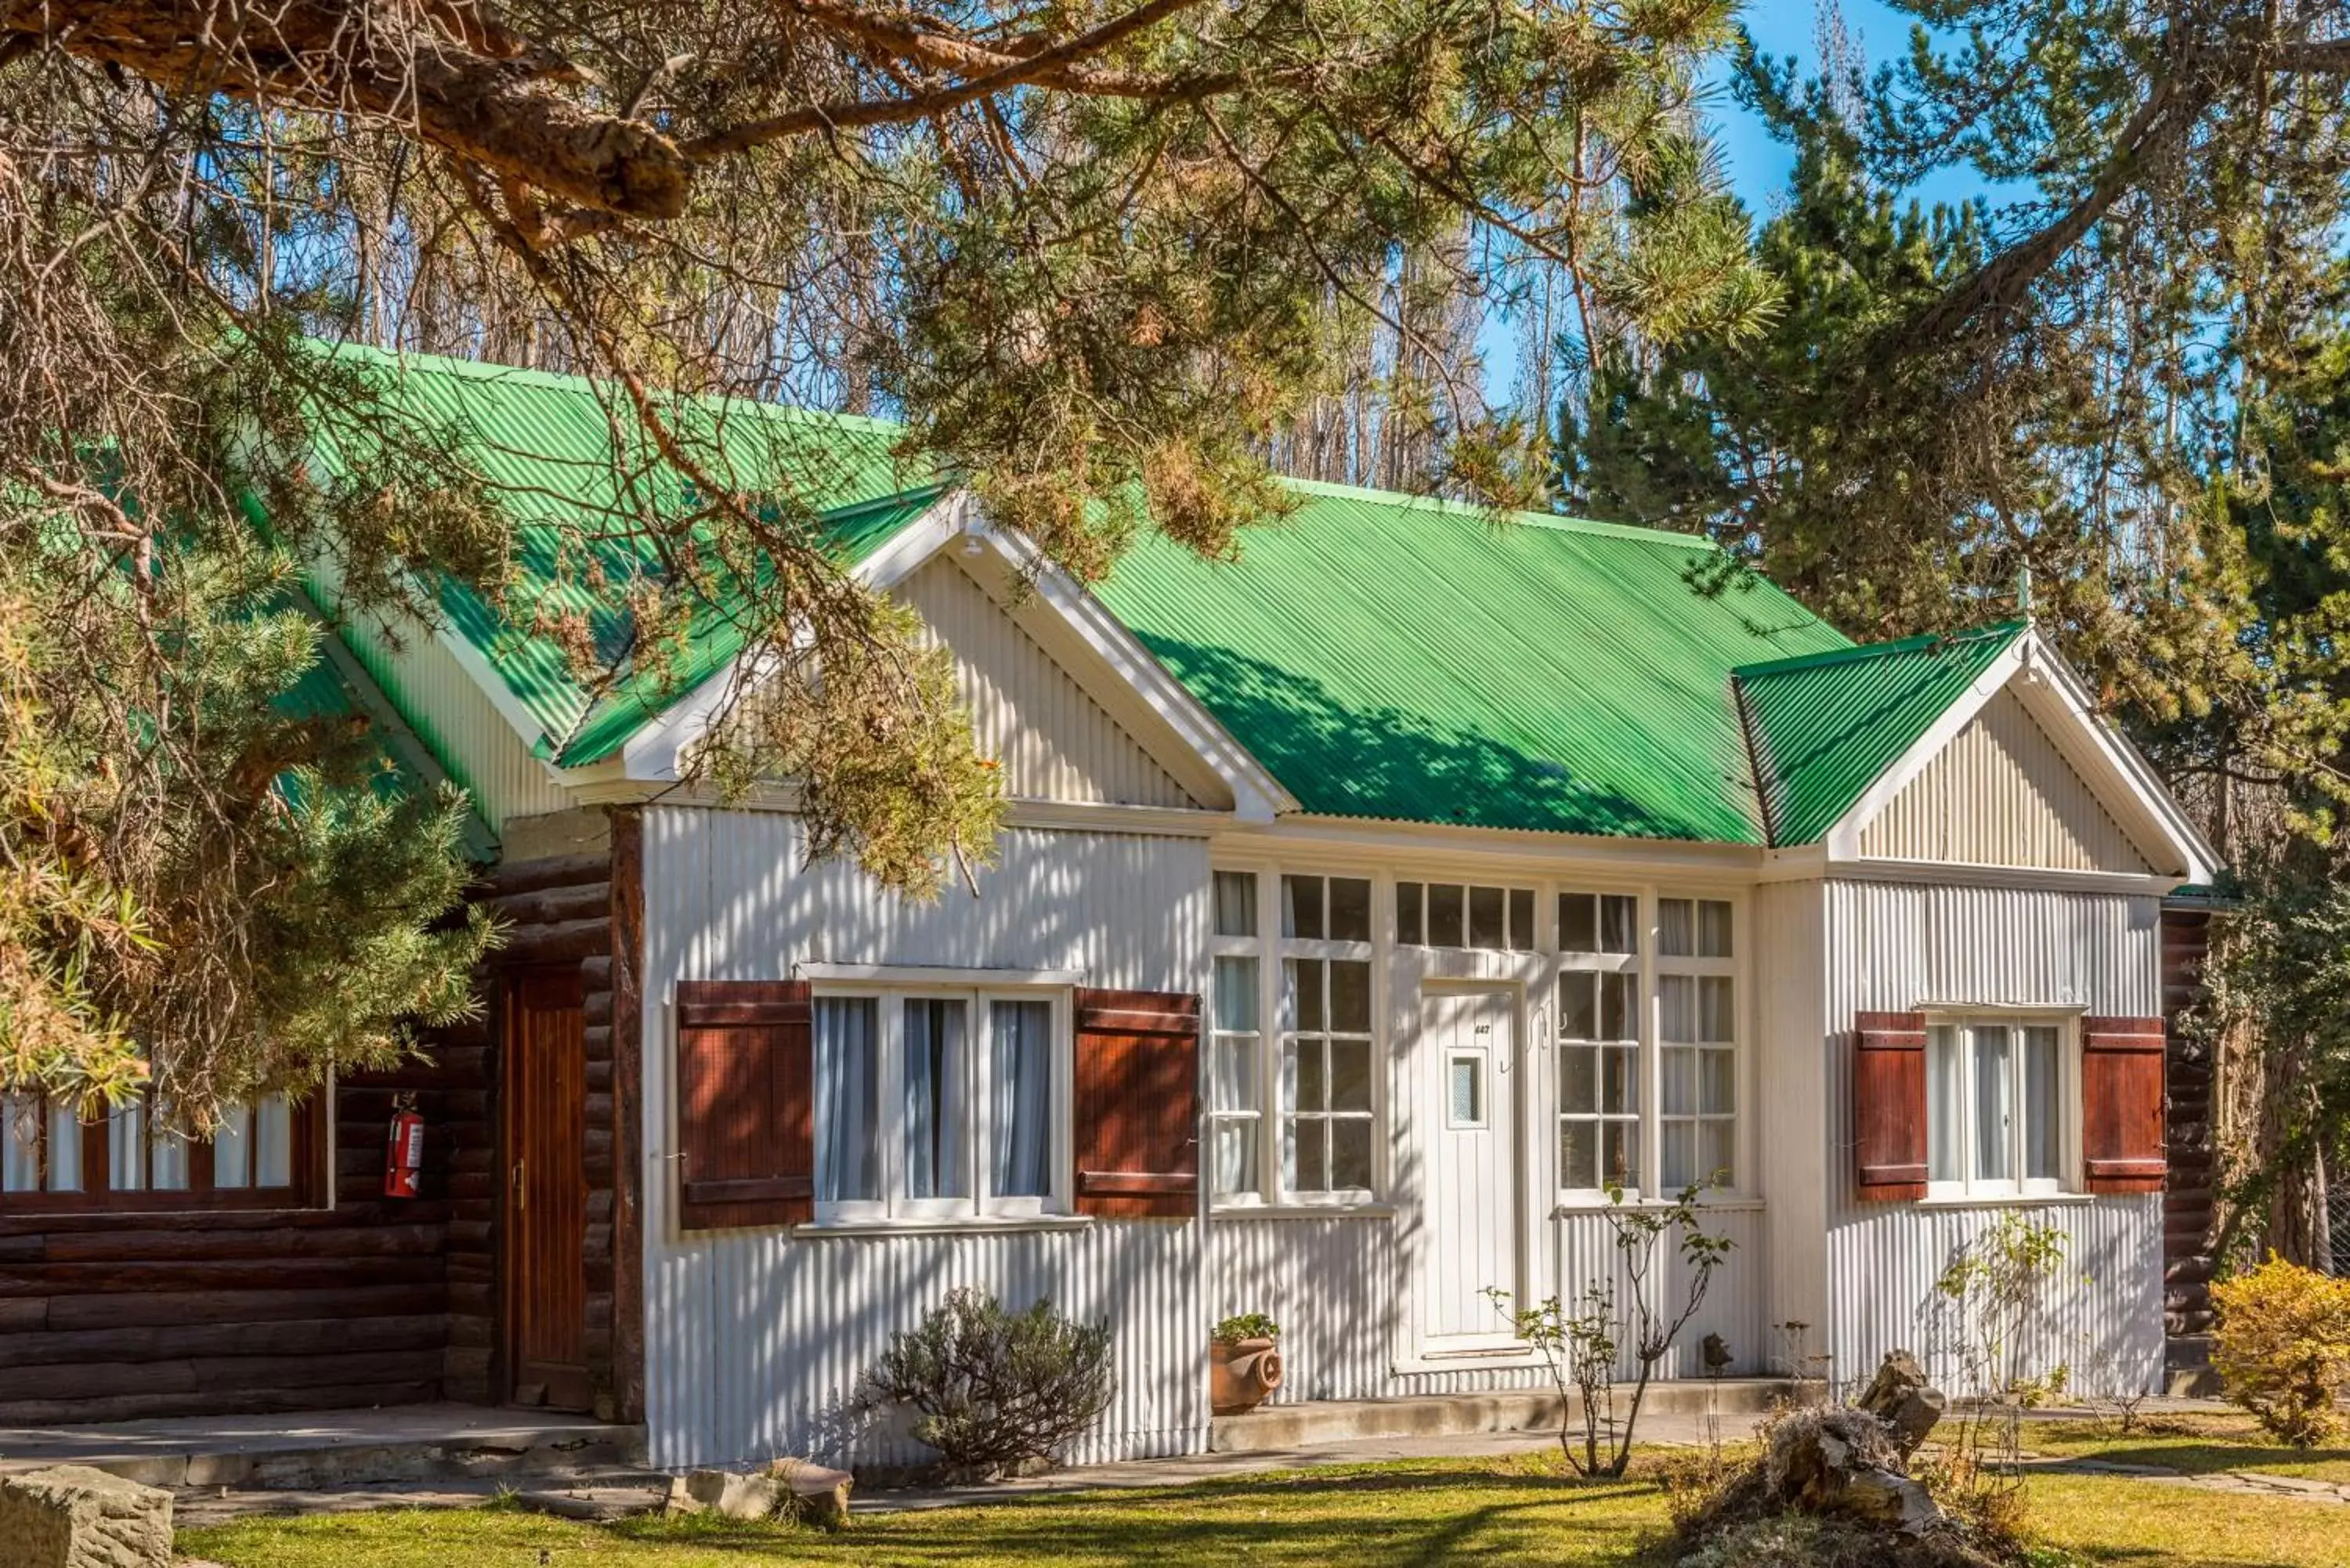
(546,1088)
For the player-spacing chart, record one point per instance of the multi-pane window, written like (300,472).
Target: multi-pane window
(1292,1069)
(1459,915)
(128,1157)
(1326,1076)
(1697,1041)
(1598,1041)
(1995,1091)
(939,1105)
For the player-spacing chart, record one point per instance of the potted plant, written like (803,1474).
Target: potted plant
(1244,1363)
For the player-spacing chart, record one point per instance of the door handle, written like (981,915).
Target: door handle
(521,1192)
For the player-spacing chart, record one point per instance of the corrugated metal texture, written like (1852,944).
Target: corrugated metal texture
(1894,947)
(1824,726)
(756,1340)
(457,721)
(1392,658)
(1788,1128)
(546,443)
(1054,741)
(2002,795)
(1336,1288)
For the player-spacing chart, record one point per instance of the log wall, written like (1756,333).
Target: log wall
(2188,1071)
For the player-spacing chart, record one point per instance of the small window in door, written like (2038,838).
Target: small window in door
(1464,1089)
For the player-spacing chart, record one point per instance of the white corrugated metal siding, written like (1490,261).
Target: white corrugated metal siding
(1895,947)
(2002,793)
(1055,741)
(755,1341)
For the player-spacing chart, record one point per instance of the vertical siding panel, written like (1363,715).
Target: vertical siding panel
(1892,947)
(758,1341)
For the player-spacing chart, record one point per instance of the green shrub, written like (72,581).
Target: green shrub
(995,1392)
(1245,1325)
(2282,1348)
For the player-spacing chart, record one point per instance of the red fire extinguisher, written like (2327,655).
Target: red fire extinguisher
(403,1150)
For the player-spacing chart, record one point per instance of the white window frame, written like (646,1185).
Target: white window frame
(1968,1187)
(1697,969)
(895,1205)
(1643,1093)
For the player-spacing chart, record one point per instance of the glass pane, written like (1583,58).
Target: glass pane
(1677,1085)
(1578,1154)
(1716,1149)
(1465,1091)
(126,1148)
(1678,1145)
(1619,1080)
(1676,1007)
(1946,1105)
(1619,1153)
(1717,1087)
(1521,920)
(1305,1163)
(1233,1073)
(934,1098)
(2041,1105)
(1616,1019)
(1301,994)
(1350,1074)
(20,1143)
(1350,995)
(1309,1087)
(848,1098)
(1578,1079)
(167,1156)
(1488,927)
(1235,1156)
(1300,907)
(1994,1107)
(1409,928)
(1444,914)
(1619,923)
(1716,1019)
(65,1148)
(1235,903)
(1676,928)
(1236,998)
(1578,923)
(272,1142)
(1350,909)
(1351,1153)
(1577,1010)
(1020,1048)
(1713,928)
(233,1146)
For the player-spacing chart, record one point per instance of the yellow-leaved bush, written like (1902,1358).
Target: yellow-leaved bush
(2282,1347)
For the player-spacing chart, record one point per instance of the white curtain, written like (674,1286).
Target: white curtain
(1994,1106)
(20,1143)
(848,1073)
(1946,1105)
(126,1148)
(1021,1033)
(935,1098)
(233,1146)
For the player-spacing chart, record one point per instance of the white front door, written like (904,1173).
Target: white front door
(1470,1233)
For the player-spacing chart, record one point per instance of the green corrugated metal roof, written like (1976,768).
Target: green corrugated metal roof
(1825,726)
(545,442)
(1389,657)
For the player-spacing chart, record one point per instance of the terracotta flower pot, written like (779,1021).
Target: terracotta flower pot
(1241,1374)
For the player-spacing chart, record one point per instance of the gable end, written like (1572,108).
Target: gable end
(1055,741)
(2002,793)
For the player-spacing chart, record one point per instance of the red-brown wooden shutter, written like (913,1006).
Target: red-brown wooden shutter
(1138,1113)
(746,1093)
(2121,1104)
(1888,1104)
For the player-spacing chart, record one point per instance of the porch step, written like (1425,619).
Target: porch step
(335,1448)
(1310,1423)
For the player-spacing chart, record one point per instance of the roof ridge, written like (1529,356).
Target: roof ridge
(1630,531)
(554,380)
(2002,630)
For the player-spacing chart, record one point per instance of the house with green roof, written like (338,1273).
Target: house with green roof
(1373,912)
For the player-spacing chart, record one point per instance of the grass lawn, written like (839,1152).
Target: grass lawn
(1515,1509)
(2200,1445)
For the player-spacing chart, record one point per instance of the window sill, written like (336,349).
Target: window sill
(1303,1211)
(1729,1203)
(979,1225)
(2007,1200)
